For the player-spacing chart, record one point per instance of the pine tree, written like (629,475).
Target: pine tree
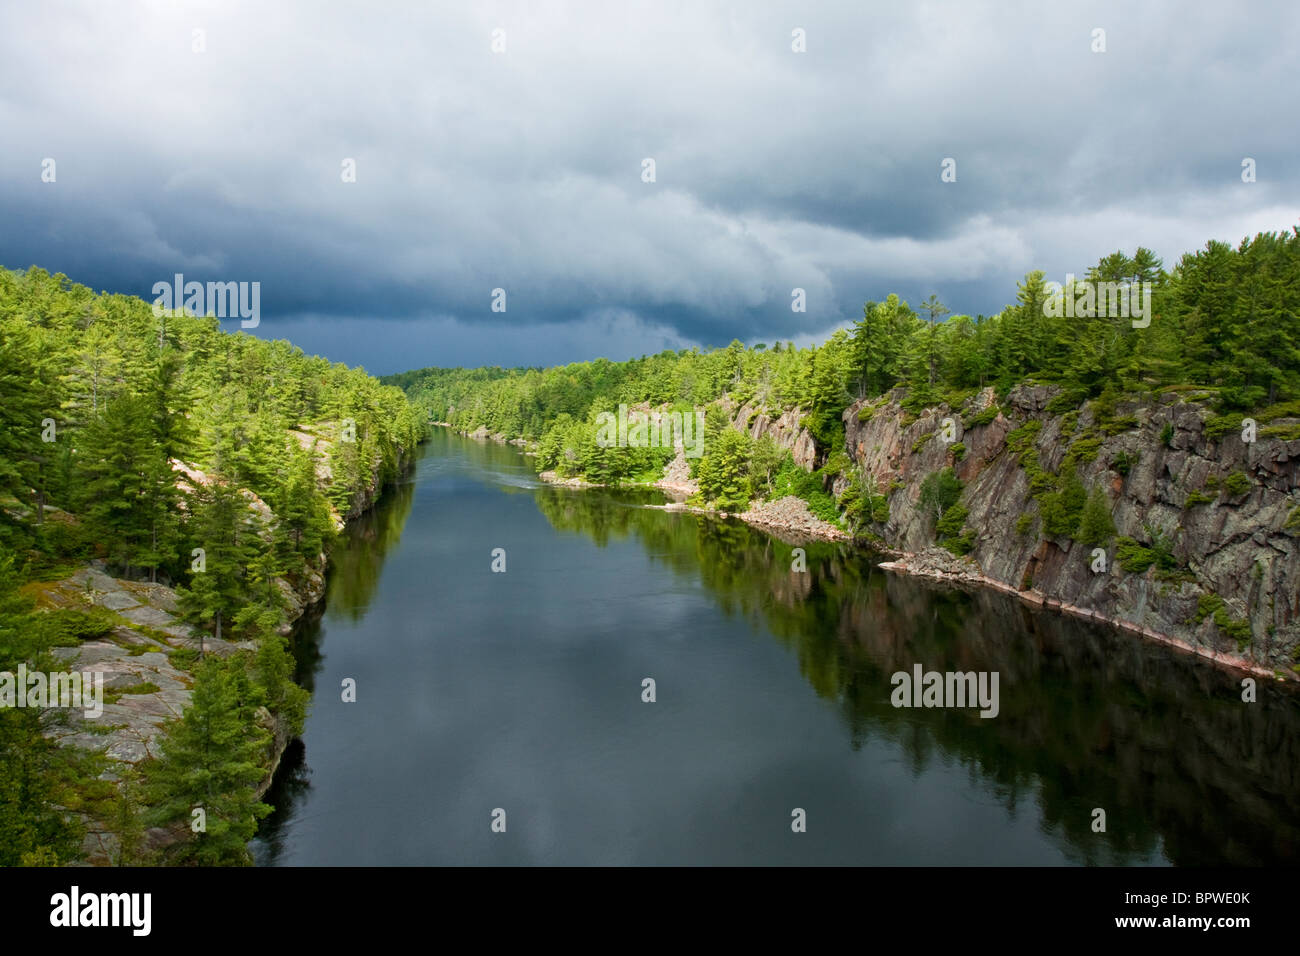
(273,669)
(220,527)
(304,518)
(1096,527)
(212,759)
(935,310)
(33,830)
(28,403)
(723,472)
(119,470)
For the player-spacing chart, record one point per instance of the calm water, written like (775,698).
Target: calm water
(522,691)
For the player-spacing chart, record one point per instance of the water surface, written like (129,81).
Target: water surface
(522,691)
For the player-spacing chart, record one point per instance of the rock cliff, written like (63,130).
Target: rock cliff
(1222,508)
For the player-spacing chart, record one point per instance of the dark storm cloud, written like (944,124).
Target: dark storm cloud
(521,170)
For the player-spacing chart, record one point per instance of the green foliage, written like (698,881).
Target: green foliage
(985,417)
(273,675)
(69,626)
(1219,425)
(1022,443)
(940,491)
(823,506)
(1096,526)
(1103,406)
(165,429)
(1211,605)
(1068,400)
(38,776)
(950,524)
(1288,432)
(1081,451)
(222,527)
(1224,323)
(1167,434)
(723,472)
(1117,426)
(962,544)
(134,395)
(1197,498)
(1124,461)
(862,504)
(1021,440)
(143,687)
(765,460)
(1132,557)
(940,494)
(1025,523)
(1206,605)
(958,451)
(1137,558)
(1237,484)
(793,480)
(212,758)
(837,463)
(1062,509)
(1279,410)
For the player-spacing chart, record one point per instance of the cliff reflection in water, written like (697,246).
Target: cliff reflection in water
(1089,717)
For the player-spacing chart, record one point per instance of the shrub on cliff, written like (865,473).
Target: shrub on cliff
(1060,510)
(1096,527)
(940,491)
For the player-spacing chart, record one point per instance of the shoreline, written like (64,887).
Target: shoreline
(810,527)
(1037,599)
(899,563)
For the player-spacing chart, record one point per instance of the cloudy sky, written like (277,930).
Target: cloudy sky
(523,169)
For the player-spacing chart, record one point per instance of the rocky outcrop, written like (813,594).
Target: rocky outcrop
(790,519)
(677,475)
(785,429)
(144,690)
(1222,504)
(303,588)
(553,478)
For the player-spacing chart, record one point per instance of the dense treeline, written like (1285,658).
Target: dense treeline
(180,454)
(1224,318)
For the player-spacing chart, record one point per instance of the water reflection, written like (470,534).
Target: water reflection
(1088,718)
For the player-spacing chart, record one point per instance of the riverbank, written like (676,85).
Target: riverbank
(787,516)
(144,651)
(766,661)
(938,564)
(789,519)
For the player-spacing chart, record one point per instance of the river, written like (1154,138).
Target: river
(521,691)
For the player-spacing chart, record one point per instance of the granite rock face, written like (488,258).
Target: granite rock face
(1160,471)
(785,430)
